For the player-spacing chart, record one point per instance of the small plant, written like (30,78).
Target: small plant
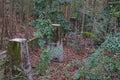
(46,57)
(76,63)
(90,34)
(2,63)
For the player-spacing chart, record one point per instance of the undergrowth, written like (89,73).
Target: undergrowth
(104,63)
(46,57)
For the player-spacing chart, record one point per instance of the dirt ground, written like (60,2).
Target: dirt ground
(59,70)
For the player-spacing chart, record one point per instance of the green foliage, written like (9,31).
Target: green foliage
(75,8)
(112,43)
(100,65)
(111,12)
(48,12)
(44,30)
(117,14)
(46,7)
(50,9)
(114,8)
(90,34)
(76,62)
(46,57)
(100,17)
(1,79)
(79,73)
(2,63)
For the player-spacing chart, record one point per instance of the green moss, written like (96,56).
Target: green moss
(14,52)
(14,57)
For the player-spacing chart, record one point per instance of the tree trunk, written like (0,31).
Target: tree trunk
(3,21)
(11,18)
(21,10)
(27,16)
(83,19)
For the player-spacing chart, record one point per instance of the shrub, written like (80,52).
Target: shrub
(104,63)
(46,57)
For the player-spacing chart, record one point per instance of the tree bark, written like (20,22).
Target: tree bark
(21,10)
(27,16)
(3,21)
(83,19)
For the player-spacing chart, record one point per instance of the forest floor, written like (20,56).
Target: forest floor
(59,70)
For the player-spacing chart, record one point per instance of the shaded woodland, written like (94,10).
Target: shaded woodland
(59,39)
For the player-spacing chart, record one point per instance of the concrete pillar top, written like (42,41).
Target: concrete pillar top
(18,39)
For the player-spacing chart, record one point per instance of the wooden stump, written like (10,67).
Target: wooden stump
(18,64)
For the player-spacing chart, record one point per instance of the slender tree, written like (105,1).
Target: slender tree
(21,6)
(27,17)
(2,9)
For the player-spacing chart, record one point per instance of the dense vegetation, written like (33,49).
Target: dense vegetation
(94,23)
(104,63)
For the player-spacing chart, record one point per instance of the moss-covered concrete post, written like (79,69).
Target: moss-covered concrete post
(58,56)
(73,35)
(18,65)
(73,26)
(57,32)
(33,44)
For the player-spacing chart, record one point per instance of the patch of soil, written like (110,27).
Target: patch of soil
(59,70)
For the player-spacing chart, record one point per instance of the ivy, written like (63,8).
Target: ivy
(44,30)
(102,65)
